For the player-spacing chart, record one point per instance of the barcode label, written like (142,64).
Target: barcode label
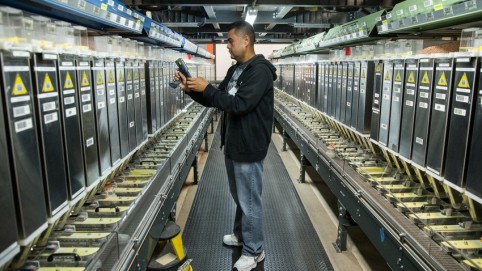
(375,102)
(89,142)
(21,111)
(131,124)
(440,96)
(409,103)
(112,101)
(377,95)
(69,100)
(460,112)
(129,97)
(410,91)
(440,107)
(121,99)
(86,108)
(86,97)
(419,140)
(423,94)
(412,8)
(100,92)
(112,92)
(137,95)
(396,99)
(71,112)
(49,106)
(423,105)
(23,125)
(100,105)
(50,118)
(428,3)
(462,98)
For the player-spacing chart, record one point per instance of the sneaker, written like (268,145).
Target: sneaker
(232,240)
(247,263)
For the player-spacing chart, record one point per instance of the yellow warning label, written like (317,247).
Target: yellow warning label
(129,76)
(378,68)
(350,73)
(357,73)
(411,78)
(398,77)
(425,79)
(387,75)
(85,80)
(464,82)
(47,86)
(136,75)
(363,75)
(19,87)
(121,76)
(100,78)
(442,81)
(111,77)
(68,84)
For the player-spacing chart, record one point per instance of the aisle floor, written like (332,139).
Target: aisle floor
(206,212)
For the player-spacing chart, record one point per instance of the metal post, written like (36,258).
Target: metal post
(206,145)
(303,162)
(344,221)
(194,167)
(212,126)
(285,136)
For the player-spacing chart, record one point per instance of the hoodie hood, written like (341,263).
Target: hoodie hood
(259,59)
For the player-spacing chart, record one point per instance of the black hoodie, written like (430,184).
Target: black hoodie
(250,110)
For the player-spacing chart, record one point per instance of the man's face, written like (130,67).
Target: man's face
(237,45)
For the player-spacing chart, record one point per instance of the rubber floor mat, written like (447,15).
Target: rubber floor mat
(291,242)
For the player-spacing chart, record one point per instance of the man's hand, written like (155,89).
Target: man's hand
(183,85)
(197,84)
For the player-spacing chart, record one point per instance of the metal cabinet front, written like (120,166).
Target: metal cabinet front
(409,102)
(114,139)
(131,111)
(386,102)
(377,90)
(396,107)
(122,107)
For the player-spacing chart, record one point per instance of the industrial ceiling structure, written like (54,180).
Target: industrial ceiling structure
(276,21)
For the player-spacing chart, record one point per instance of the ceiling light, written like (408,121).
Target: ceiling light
(251,14)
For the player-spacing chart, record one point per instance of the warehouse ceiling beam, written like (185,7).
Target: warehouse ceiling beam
(294,3)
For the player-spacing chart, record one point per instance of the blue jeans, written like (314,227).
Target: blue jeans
(245,185)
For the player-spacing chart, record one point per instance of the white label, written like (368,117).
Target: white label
(129,97)
(50,118)
(86,97)
(89,142)
(49,106)
(412,8)
(131,124)
(100,105)
(86,108)
(383,126)
(440,107)
(440,96)
(144,92)
(428,3)
(460,112)
(463,90)
(423,105)
(409,103)
(130,24)
(410,91)
(137,95)
(377,95)
(69,100)
(386,97)
(375,102)
(71,112)
(112,92)
(122,20)
(19,99)
(21,111)
(396,99)
(419,140)
(348,104)
(121,99)
(112,100)
(47,95)
(70,91)
(462,98)
(23,125)
(85,89)
(423,94)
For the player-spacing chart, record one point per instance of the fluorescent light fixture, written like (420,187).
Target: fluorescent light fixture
(251,14)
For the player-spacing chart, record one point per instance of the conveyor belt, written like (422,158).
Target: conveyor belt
(291,242)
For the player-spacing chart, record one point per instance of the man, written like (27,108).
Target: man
(247,99)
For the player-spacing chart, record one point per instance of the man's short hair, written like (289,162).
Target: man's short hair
(242,28)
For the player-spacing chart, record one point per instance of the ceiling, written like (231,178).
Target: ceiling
(278,21)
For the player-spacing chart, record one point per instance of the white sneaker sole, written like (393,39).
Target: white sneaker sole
(259,259)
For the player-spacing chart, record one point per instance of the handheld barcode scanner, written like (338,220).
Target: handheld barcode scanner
(183,69)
